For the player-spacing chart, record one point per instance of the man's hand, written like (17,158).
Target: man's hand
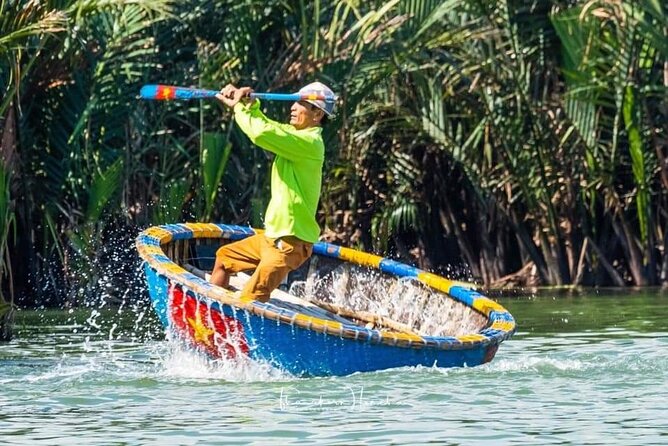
(231,95)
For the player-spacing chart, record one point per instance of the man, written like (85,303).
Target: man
(296,176)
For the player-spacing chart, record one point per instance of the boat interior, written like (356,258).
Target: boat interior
(334,290)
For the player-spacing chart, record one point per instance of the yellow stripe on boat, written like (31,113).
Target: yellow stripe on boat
(471,338)
(306,321)
(486,306)
(359,257)
(204,230)
(399,336)
(152,250)
(228,296)
(172,268)
(503,325)
(163,235)
(441,283)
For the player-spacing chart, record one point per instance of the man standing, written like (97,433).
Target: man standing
(296,176)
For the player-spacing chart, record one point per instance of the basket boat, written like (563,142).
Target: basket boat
(297,334)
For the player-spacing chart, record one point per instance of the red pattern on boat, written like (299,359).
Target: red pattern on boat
(204,327)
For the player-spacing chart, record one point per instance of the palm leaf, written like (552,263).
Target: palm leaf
(639,164)
(102,188)
(169,207)
(215,153)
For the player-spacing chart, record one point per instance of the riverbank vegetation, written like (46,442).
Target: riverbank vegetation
(524,139)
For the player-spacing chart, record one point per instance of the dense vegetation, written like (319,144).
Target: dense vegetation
(518,137)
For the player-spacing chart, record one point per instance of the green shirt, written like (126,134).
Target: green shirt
(296,174)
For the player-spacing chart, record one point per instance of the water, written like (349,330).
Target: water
(589,369)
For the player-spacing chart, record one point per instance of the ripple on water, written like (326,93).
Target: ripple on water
(594,384)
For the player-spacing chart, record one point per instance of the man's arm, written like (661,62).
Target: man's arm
(282,139)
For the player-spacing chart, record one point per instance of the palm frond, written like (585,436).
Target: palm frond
(215,153)
(169,207)
(102,188)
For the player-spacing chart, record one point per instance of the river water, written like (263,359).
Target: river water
(582,369)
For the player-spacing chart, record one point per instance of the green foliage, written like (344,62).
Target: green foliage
(215,153)
(86,239)
(101,189)
(169,207)
(68,69)
(638,163)
(500,133)
(480,87)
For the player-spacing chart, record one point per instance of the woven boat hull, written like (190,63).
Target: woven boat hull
(303,339)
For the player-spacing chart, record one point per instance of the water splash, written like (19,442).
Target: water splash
(404,300)
(185,363)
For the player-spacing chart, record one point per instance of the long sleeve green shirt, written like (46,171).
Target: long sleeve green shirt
(296,174)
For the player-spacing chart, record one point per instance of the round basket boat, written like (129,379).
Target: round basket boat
(302,335)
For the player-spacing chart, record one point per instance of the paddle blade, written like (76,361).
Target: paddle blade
(169,92)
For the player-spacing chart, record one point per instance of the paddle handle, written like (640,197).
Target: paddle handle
(169,93)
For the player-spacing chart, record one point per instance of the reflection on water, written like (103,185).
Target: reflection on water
(581,369)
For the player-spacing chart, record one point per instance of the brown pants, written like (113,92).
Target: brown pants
(272,259)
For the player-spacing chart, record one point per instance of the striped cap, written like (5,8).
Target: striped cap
(322,89)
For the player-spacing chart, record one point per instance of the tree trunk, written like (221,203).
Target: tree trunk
(449,222)
(7,154)
(664,264)
(528,243)
(614,275)
(554,269)
(579,270)
(633,254)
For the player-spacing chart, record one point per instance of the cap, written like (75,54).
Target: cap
(320,88)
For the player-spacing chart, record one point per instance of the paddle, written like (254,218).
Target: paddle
(170,92)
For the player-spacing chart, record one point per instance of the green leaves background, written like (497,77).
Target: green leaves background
(504,136)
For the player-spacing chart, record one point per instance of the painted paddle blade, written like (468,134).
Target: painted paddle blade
(169,92)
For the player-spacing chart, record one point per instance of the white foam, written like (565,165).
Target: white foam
(537,364)
(181,362)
